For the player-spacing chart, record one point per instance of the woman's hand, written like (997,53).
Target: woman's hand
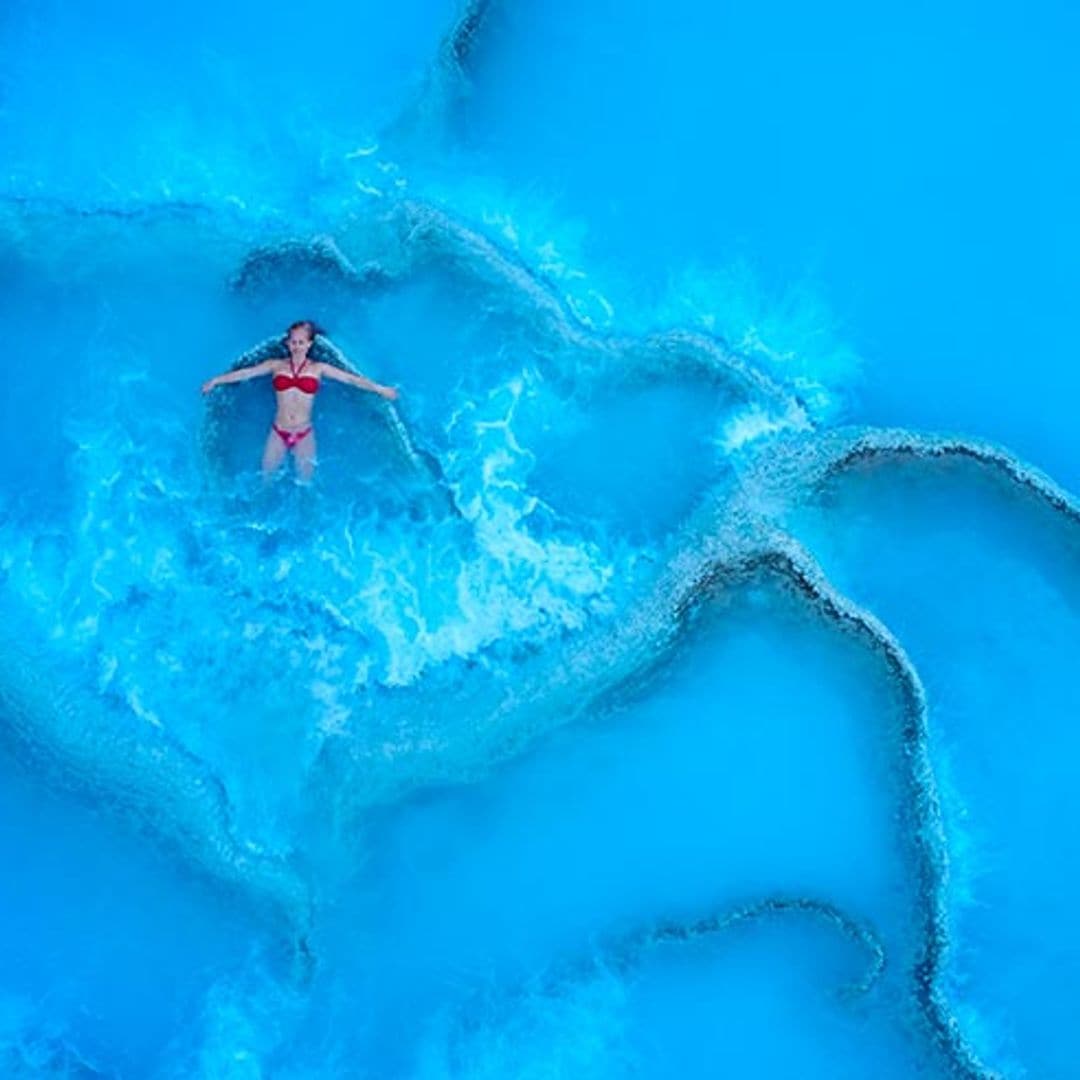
(209,385)
(389,392)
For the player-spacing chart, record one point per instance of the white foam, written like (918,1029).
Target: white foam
(756,422)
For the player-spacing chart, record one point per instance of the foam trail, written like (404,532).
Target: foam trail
(141,773)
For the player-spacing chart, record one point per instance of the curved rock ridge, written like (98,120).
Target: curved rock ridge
(798,468)
(133,211)
(735,535)
(877,443)
(723,561)
(148,776)
(460,40)
(137,770)
(785,557)
(628,950)
(60,725)
(611,662)
(320,255)
(422,235)
(445,83)
(747,543)
(431,233)
(794,466)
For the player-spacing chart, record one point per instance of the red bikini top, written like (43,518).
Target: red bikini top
(306,384)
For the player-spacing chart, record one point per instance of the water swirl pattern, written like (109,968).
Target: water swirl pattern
(653,689)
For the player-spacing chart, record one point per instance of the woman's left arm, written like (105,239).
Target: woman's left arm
(330,371)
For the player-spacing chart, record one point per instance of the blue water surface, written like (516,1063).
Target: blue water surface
(607,708)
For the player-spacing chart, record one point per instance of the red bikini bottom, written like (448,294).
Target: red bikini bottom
(291,438)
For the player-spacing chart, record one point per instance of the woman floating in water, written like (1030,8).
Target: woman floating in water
(296,381)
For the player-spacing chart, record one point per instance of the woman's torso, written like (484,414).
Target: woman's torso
(295,390)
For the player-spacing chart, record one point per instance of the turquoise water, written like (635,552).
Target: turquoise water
(627,701)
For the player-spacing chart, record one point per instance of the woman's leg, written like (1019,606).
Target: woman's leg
(273,453)
(304,452)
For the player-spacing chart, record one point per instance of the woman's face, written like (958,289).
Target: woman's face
(298,342)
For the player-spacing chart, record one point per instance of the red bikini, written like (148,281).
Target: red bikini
(306,384)
(291,438)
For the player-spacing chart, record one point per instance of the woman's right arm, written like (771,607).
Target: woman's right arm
(239,375)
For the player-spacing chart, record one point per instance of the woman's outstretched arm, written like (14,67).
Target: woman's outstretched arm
(329,371)
(239,375)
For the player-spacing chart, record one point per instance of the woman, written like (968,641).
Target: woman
(296,381)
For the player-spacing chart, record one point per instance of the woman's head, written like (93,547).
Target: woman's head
(299,337)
